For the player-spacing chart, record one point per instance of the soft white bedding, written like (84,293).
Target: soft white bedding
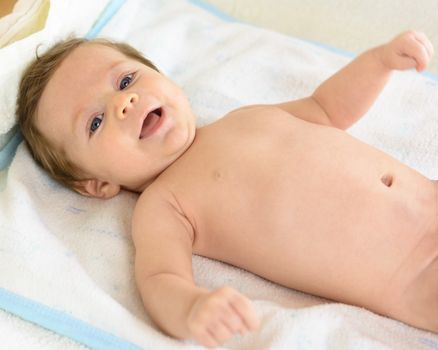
(66,261)
(348,25)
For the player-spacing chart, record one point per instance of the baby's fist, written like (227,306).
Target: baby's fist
(408,50)
(217,316)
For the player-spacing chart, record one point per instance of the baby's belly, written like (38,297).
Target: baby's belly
(345,231)
(323,213)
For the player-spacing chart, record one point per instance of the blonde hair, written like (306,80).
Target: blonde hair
(33,82)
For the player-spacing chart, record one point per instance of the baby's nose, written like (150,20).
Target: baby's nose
(124,103)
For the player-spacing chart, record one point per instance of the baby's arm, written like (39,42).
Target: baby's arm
(347,95)
(163,240)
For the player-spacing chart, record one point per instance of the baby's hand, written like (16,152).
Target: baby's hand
(217,316)
(408,50)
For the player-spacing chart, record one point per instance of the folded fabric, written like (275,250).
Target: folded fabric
(66,261)
(27,17)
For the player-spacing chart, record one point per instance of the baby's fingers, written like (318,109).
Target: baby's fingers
(216,316)
(245,310)
(234,322)
(419,49)
(423,39)
(207,339)
(220,333)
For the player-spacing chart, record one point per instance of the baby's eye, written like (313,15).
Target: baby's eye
(95,123)
(124,83)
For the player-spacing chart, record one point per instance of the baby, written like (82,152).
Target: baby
(279,190)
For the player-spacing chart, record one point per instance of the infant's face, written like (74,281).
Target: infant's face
(117,119)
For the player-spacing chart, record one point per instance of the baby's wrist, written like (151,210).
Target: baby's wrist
(380,56)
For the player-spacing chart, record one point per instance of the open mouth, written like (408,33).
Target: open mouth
(151,123)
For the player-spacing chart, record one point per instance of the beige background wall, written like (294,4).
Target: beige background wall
(351,25)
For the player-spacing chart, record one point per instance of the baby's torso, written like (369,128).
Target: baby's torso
(298,203)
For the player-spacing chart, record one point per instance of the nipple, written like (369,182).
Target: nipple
(387,180)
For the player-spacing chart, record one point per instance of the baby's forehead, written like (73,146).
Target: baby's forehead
(95,54)
(88,63)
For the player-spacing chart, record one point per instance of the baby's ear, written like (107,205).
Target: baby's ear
(96,188)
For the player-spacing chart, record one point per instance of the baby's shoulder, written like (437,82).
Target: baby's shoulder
(153,195)
(157,209)
(156,199)
(152,202)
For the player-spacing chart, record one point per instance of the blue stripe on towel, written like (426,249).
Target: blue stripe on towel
(431,75)
(213,10)
(62,323)
(108,13)
(8,151)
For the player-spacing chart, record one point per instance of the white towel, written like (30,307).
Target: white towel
(73,255)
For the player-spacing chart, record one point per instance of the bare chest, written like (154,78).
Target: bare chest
(271,185)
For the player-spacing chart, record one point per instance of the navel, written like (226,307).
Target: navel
(387,180)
